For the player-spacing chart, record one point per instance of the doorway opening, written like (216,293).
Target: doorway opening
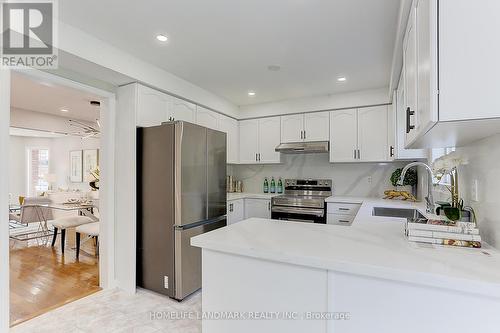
(58,243)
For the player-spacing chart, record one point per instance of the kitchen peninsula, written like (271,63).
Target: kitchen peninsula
(359,278)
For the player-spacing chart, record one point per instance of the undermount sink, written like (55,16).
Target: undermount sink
(410,214)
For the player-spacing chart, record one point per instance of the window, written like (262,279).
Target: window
(38,169)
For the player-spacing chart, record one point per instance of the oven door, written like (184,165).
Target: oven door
(298,214)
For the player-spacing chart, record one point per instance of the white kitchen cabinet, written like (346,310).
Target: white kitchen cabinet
(305,127)
(235,211)
(258,140)
(343,135)
(249,141)
(207,118)
(341,213)
(373,134)
(292,128)
(410,77)
(182,110)
(359,135)
(152,106)
(468,108)
(257,208)
(397,122)
(269,139)
(230,126)
(317,126)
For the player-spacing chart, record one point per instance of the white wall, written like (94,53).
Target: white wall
(317,103)
(59,149)
(59,160)
(483,166)
(351,179)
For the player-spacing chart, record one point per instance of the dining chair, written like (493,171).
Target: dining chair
(91,230)
(64,223)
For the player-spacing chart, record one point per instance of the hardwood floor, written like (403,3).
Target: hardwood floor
(41,278)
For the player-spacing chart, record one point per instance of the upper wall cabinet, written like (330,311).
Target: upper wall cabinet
(452,43)
(305,127)
(397,128)
(182,110)
(359,135)
(152,106)
(258,140)
(155,107)
(207,118)
(230,127)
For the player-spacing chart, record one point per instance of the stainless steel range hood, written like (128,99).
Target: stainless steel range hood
(303,147)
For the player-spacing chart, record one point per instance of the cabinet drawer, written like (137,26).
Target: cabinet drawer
(339,219)
(343,208)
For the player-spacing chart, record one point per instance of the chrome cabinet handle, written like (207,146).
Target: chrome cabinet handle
(304,134)
(344,221)
(344,209)
(354,153)
(359,154)
(391,151)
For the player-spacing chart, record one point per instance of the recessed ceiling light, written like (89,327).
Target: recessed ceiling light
(64,110)
(342,79)
(162,38)
(251,93)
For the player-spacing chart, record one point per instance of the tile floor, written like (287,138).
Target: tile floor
(113,311)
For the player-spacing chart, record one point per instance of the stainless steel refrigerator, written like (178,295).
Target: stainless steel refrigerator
(181,194)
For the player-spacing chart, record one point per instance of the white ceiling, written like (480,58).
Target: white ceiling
(35,95)
(225,46)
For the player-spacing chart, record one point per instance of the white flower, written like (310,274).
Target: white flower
(447,163)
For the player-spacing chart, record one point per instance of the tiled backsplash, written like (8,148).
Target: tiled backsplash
(351,179)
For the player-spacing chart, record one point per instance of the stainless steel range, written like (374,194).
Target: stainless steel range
(303,201)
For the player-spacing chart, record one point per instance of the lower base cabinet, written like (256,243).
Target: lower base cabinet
(258,208)
(235,211)
(340,213)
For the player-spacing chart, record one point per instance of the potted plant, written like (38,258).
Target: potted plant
(411,179)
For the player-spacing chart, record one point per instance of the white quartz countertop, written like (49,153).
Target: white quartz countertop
(372,246)
(245,195)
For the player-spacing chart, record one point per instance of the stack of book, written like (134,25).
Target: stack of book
(443,232)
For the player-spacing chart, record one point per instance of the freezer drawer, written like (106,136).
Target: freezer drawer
(188,258)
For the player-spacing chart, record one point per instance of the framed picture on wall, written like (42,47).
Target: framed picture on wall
(90,163)
(76,166)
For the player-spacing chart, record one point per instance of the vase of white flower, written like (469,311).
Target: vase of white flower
(448,165)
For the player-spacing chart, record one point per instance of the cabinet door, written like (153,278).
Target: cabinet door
(343,135)
(292,128)
(230,127)
(372,134)
(269,139)
(257,208)
(426,89)
(400,109)
(317,126)
(152,106)
(249,141)
(207,118)
(182,110)
(410,68)
(236,211)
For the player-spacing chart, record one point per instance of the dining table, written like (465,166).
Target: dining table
(44,231)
